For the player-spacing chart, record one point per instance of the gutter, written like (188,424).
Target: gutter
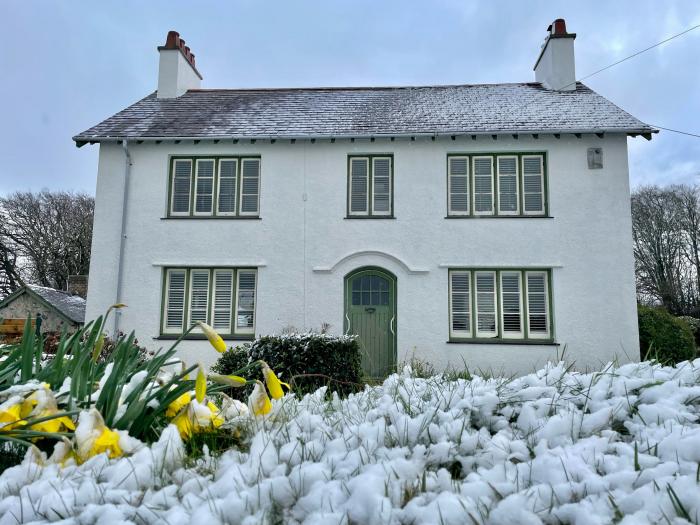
(122,236)
(83,139)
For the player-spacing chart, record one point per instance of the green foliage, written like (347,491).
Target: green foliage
(79,357)
(694,324)
(420,368)
(232,361)
(664,337)
(309,361)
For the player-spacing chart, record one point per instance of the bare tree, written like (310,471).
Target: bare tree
(10,278)
(48,235)
(689,215)
(659,249)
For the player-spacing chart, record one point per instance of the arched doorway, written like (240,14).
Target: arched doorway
(370,313)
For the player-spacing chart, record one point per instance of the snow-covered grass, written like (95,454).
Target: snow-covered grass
(618,445)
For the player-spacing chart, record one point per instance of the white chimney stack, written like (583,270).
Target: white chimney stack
(176,72)
(555,67)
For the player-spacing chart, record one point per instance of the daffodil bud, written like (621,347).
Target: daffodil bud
(215,339)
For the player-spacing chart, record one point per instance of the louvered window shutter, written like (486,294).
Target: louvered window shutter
(381,186)
(226,199)
(222,301)
(508,185)
(458,185)
(199,296)
(511,305)
(174,307)
(359,186)
(460,303)
(204,188)
(181,187)
(483,185)
(250,186)
(537,304)
(533,185)
(486,321)
(245,302)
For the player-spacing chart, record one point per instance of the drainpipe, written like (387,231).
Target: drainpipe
(122,236)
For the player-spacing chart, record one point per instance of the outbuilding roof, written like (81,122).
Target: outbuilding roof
(362,112)
(71,307)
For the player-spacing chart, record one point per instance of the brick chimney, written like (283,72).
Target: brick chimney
(176,72)
(77,285)
(555,67)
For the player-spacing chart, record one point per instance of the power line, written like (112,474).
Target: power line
(637,54)
(633,55)
(676,131)
(628,58)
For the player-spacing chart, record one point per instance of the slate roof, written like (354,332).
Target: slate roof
(70,306)
(359,112)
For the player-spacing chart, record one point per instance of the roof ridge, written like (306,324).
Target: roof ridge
(364,88)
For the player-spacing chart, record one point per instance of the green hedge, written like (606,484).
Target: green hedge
(310,360)
(663,336)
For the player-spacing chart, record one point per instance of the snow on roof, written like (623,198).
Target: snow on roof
(72,306)
(356,112)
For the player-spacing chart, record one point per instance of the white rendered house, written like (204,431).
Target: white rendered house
(479,224)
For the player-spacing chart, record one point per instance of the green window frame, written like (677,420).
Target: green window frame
(500,304)
(370,186)
(225,186)
(223,297)
(503,184)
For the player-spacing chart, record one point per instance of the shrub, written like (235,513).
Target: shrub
(663,336)
(230,362)
(694,324)
(309,361)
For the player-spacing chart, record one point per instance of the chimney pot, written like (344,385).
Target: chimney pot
(171,42)
(559,27)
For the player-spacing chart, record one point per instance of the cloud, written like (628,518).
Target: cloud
(73,64)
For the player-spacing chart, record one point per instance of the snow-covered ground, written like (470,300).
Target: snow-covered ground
(621,445)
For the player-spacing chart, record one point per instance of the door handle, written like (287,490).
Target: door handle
(391,326)
(347,331)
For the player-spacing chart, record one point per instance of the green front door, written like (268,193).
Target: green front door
(370,313)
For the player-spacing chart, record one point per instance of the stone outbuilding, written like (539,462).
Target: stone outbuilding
(58,311)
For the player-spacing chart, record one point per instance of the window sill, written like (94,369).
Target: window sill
(498,217)
(369,217)
(202,337)
(495,341)
(214,217)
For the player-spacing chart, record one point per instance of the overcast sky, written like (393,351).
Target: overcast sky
(65,66)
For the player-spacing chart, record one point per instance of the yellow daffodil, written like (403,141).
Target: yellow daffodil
(53,425)
(93,437)
(259,401)
(274,385)
(215,339)
(42,404)
(197,417)
(200,385)
(233,381)
(178,404)
(11,416)
(107,441)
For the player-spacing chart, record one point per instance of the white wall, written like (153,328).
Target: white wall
(588,243)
